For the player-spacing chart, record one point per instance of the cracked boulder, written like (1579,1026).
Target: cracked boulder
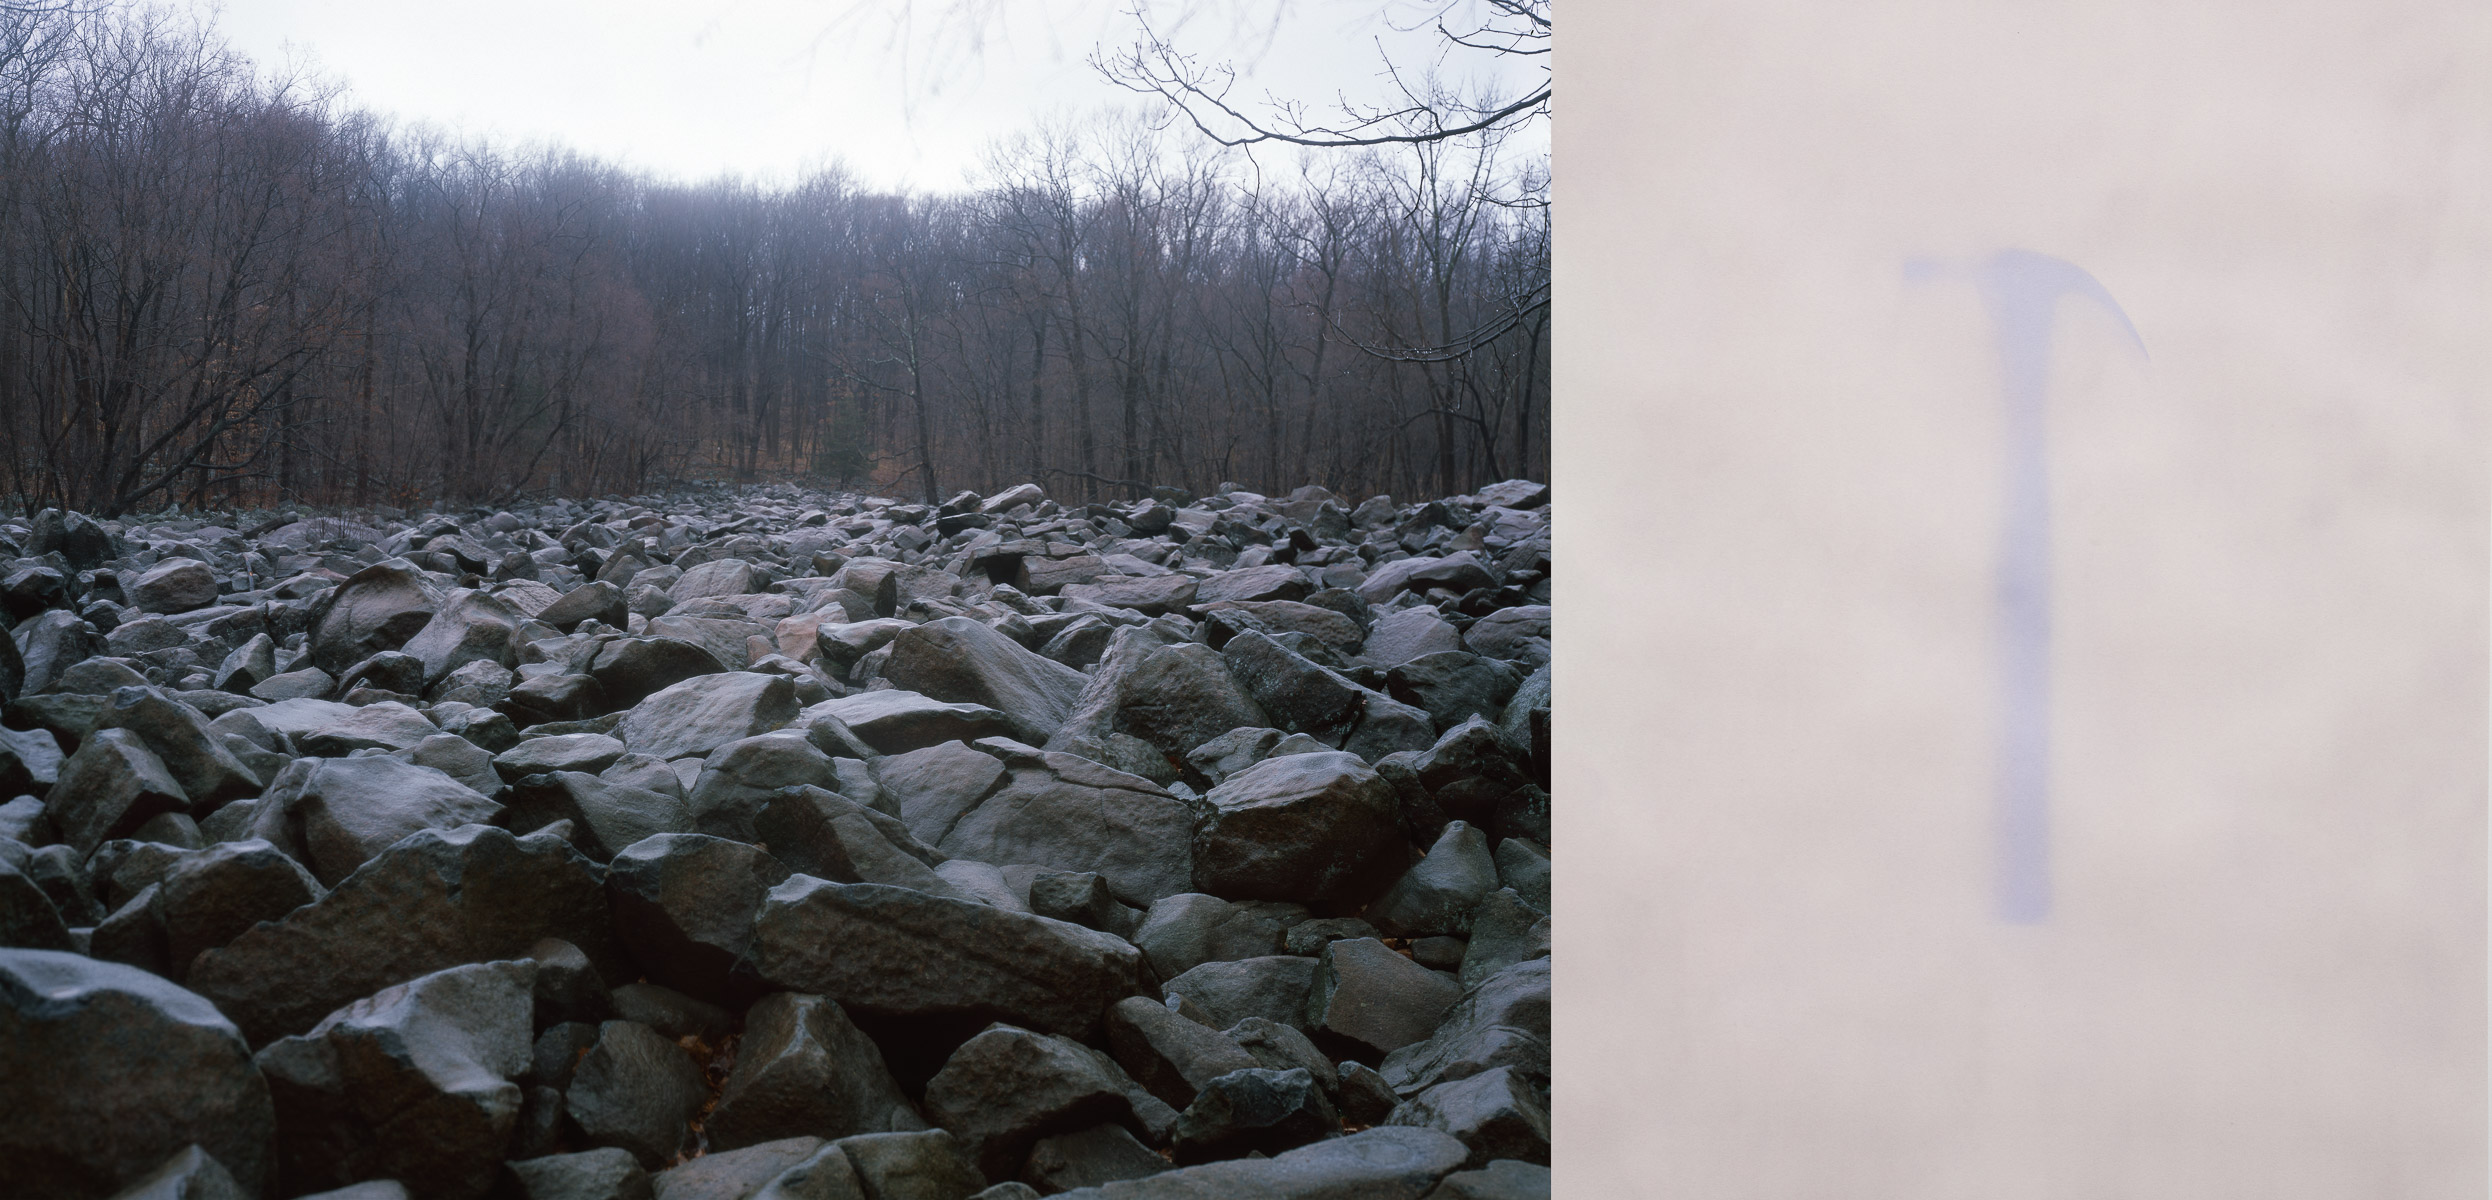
(437,899)
(903,952)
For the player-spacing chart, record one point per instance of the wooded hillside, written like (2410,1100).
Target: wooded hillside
(221,288)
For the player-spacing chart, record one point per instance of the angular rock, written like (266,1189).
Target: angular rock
(413,1083)
(210,898)
(715,578)
(50,643)
(841,644)
(1300,696)
(340,812)
(1103,1153)
(1309,828)
(1524,866)
(1008,1087)
(1168,1054)
(602,1174)
(156,1068)
(586,752)
(1284,1048)
(1501,1179)
(1505,930)
(605,815)
(742,774)
(78,538)
(468,626)
(1519,634)
(896,720)
(173,585)
(247,665)
(1365,1001)
(1273,987)
(460,759)
(28,917)
(436,899)
(308,683)
(1182,696)
(1458,572)
(829,836)
(1410,633)
(803,1069)
(30,761)
(1454,686)
(133,934)
(386,725)
(632,669)
(727,635)
(1186,930)
(591,601)
(547,699)
(684,905)
(1366,1099)
(1275,582)
(195,755)
(934,786)
(1496,1113)
(1502,1021)
(673,1014)
(1436,895)
(1150,596)
(749,1172)
(1067,813)
(703,713)
(893,950)
(1471,769)
(1083,898)
(911,1166)
(958,660)
(636,1091)
(110,787)
(1257,1109)
(1233,752)
(377,608)
(1079,643)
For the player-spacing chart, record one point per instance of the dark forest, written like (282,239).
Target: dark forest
(221,287)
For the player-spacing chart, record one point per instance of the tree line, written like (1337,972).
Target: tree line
(221,287)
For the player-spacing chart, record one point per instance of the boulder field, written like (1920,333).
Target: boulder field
(780,844)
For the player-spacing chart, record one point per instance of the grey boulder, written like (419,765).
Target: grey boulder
(436,899)
(338,813)
(152,1068)
(804,1069)
(705,712)
(414,1083)
(900,951)
(1308,828)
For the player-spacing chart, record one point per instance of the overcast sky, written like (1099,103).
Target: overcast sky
(904,91)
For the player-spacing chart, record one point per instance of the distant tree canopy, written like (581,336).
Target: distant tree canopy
(220,288)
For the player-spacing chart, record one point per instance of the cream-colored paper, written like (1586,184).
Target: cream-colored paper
(1785,467)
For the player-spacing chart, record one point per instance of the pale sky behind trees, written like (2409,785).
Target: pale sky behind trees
(906,92)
